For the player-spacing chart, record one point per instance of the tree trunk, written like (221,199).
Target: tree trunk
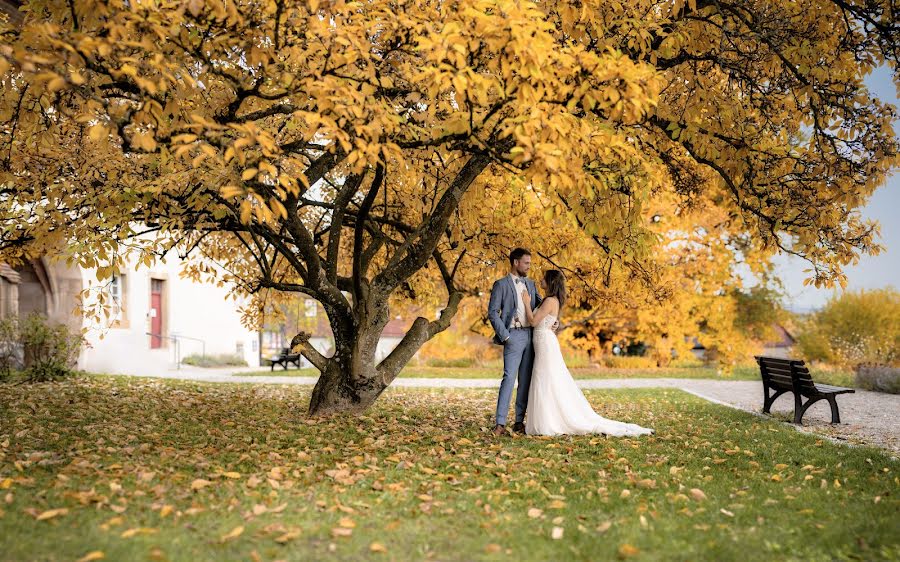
(340,390)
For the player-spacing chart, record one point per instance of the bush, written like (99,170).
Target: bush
(39,349)
(458,363)
(855,329)
(10,348)
(628,362)
(221,360)
(879,378)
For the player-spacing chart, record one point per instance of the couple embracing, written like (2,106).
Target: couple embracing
(525,324)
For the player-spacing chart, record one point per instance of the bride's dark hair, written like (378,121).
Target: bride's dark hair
(556,285)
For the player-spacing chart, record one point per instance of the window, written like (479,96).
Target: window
(311,308)
(115,295)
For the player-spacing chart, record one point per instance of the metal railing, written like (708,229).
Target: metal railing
(175,338)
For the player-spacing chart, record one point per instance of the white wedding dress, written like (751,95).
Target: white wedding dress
(556,406)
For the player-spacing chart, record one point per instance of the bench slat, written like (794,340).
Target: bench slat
(780,374)
(802,372)
(829,389)
(779,361)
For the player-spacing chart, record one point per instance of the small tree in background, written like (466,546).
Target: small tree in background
(855,328)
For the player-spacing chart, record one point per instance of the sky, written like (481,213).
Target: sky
(872,272)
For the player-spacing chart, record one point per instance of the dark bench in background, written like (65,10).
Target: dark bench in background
(285,358)
(791,375)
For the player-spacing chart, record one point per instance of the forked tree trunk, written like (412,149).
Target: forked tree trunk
(350,381)
(341,390)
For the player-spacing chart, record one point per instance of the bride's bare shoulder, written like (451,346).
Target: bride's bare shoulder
(552,304)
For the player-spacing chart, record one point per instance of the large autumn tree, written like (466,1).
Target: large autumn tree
(348,150)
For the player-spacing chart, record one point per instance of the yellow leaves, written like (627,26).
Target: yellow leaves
(51,513)
(166,510)
(534,513)
(259,509)
(249,174)
(6,483)
(232,475)
(133,532)
(232,534)
(97,132)
(93,555)
(341,532)
(628,551)
(56,84)
(346,523)
(112,522)
(697,494)
(144,140)
(556,504)
(287,537)
(199,484)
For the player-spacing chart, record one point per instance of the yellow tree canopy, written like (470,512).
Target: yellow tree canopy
(341,148)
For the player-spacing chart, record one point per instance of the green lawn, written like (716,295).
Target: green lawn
(839,378)
(161,470)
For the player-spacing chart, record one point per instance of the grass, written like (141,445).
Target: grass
(187,471)
(742,373)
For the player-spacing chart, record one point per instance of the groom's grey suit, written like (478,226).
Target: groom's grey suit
(518,353)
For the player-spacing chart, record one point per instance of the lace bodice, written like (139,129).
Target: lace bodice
(545,324)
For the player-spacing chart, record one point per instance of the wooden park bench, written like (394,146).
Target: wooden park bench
(285,358)
(791,375)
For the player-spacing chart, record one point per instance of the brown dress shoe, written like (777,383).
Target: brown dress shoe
(519,427)
(499,430)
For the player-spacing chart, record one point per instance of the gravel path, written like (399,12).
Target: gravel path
(867,418)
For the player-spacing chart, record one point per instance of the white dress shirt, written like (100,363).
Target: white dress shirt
(520,304)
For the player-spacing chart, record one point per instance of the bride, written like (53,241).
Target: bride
(556,406)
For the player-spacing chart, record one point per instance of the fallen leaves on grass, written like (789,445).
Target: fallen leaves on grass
(233,534)
(51,513)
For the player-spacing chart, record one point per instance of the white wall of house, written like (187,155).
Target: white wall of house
(197,315)
(385,346)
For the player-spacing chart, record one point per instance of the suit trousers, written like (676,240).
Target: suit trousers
(518,359)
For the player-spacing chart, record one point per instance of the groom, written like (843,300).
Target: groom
(506,312)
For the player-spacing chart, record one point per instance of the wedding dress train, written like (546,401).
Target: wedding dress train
(556,406)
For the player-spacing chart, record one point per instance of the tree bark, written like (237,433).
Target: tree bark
(345,386)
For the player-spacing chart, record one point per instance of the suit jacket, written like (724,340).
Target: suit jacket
(503,304)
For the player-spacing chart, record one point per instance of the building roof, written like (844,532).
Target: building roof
(782,338)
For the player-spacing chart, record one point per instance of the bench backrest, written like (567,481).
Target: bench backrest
(785,373)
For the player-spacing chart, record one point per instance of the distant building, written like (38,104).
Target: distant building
(307,315)
(158,318)
(782,345)
(43,287)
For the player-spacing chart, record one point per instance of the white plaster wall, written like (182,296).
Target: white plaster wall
(193,310)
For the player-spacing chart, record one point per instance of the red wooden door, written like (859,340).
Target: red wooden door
(156,313)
